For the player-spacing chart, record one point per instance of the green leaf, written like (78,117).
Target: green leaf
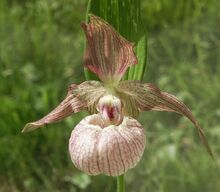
(125,17)
(81,180)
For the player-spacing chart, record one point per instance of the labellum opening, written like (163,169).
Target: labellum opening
(110,107)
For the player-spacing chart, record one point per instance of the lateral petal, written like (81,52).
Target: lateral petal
(149,97)
(108,54)
(71,104)
(83,96)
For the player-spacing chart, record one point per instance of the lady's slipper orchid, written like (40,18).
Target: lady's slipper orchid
(111,141)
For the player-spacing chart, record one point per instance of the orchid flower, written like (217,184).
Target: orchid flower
(110,140)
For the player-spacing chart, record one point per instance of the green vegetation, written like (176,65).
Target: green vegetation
(41,49)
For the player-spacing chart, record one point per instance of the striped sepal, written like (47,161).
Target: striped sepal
(108,54)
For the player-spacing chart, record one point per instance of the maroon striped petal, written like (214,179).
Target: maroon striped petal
(149,97)
(108,54)
(79,97)
(71,104)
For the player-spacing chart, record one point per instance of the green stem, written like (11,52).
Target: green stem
(121,183)
(88,10)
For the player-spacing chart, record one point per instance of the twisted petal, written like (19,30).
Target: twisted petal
(108,54)
(71,104)
(79,97)
(149,97)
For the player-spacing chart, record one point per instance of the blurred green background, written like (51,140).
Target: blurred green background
(41,49)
